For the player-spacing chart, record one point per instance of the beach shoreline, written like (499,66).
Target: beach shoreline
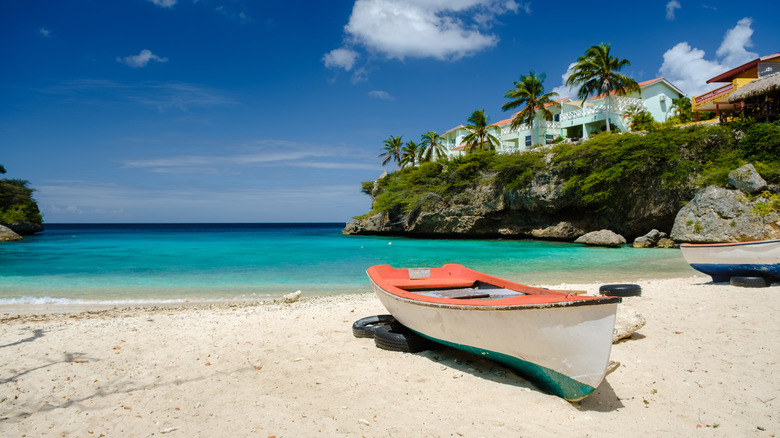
(705,363)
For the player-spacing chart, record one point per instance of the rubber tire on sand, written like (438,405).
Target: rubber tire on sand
(621,290)
(365,327)
(396,337)
(749,281)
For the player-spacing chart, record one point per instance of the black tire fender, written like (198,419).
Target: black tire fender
(396,337)
(749,281)
(365,327)
(621,290)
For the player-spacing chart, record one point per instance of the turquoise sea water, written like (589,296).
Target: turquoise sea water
(164,263)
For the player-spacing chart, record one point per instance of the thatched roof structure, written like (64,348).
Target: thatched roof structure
(756,88)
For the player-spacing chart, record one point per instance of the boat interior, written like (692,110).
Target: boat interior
(480,290)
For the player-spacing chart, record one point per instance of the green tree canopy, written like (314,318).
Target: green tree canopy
(596,73)
(409,154)
(392,150)
(431,147)
(529,93)
(683,110)
(480,138)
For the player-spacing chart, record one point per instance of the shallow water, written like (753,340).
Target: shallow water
(170,263)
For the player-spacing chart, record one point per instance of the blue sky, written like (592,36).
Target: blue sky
(261,111)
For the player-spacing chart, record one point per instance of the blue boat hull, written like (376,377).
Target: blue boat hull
(745,259)
(722,273)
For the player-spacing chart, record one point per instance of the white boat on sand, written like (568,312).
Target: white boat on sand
(722,261)
(560,341)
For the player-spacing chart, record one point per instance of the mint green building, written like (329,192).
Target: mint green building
(575,119)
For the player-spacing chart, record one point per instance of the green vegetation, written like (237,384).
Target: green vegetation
(16,202)
(767,203)
(409,154)
(392,150)
(601,174)
(431,147)
(480,138)
(529,93)
(596,72)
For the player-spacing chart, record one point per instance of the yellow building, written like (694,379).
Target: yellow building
(717,100)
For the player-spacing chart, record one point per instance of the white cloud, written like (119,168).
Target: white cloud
(141,60)
(563,90)
(670,9)
(378,94)
(687,67)
(439,29)
(343,58)
(732,49)
(45,32)
(259,154)
(164,3)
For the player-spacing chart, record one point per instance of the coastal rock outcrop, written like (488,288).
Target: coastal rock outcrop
(654,239)
(24,228)
(541,210)
(8,235)
(747,179)
(602,238)
(717,214)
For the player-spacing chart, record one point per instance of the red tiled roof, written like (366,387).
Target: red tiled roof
(451,129)
(729,75)
(641,85)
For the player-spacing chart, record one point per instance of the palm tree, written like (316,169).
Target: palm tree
(431,148)
(682,109)
(529,92)
(409,154)
(392,150)
(596,72)
(479,137)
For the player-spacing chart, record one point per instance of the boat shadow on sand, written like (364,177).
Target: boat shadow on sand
(603,399)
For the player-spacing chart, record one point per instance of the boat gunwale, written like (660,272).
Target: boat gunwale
(532,298)
(444,303)
(727,244)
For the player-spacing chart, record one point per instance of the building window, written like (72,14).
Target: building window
(528,141)
(557,117)
(548,139)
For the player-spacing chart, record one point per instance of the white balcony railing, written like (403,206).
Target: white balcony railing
(526,127)
(618,105)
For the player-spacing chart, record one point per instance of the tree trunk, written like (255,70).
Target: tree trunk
(606,111)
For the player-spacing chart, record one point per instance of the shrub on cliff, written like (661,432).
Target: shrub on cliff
(17,204)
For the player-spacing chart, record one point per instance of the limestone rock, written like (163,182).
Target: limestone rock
(665,242)
(627,321)
(24,228)
(717,214)
(650,239)
(8,235)
(601,238)
(747,179)
(292,296)
(560,230)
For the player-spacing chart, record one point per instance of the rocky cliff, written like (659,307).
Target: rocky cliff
(718,214)
(544,210)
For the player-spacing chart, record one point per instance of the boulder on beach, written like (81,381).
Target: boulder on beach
(8,235)
(627,321)
(601,238)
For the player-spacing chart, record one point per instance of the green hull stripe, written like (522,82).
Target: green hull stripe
(545,378)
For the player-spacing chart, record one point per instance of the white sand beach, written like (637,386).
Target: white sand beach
(705,364)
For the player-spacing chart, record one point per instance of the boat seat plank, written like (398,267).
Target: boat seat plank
(432,283)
